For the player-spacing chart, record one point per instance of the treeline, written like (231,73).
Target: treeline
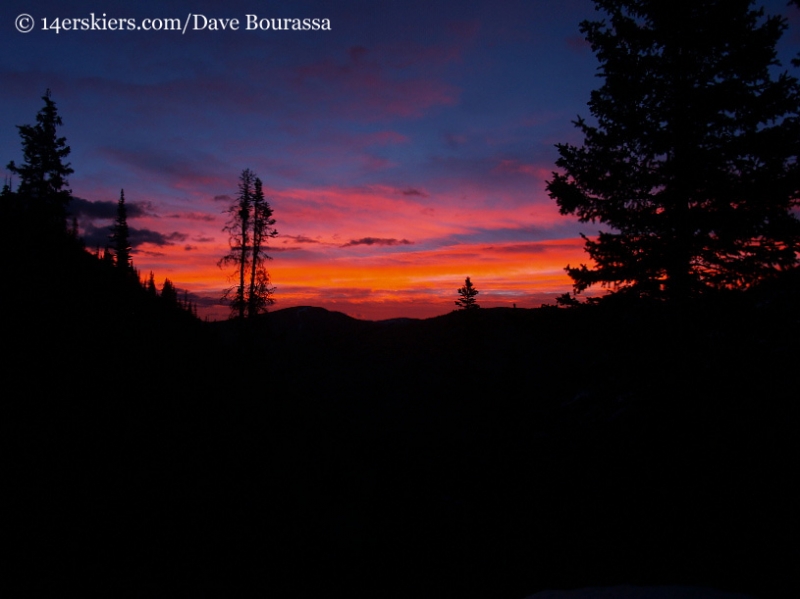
(37,233)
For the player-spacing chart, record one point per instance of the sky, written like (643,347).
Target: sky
(403,145)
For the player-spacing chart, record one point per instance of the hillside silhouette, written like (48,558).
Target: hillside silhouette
(493,452)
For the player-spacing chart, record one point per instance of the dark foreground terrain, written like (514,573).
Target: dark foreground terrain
(491,454)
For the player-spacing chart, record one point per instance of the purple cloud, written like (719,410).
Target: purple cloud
(107,209)
(376,241)
(300,239)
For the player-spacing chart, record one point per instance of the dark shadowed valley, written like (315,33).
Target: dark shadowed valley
(482,453)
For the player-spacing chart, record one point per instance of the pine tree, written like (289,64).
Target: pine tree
(120,236)
(108,256)
(260,293)
(238,229)
(691,162)
(467,300)
(151,285)
(43,175)
(249,226)
(169,294)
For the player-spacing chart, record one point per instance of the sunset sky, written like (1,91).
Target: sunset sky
(402,151)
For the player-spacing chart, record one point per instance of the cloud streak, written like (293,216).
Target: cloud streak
(369,241)
(107,209)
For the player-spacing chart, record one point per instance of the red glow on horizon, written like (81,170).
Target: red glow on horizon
(373,252)
(411,283)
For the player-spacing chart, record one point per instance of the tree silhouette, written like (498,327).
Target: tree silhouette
(238,229)
(260,293)
(691,160)
(467,300)
(249,226)
(567,300)
(43,186)
(120,242)
(169,294)
(150,286)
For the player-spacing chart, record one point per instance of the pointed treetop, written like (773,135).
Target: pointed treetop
(43,173)
(120,236)
(468,292)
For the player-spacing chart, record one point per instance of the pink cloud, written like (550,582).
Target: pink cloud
(377,241)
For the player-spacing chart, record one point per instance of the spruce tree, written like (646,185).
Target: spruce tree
(151,285)
(690,163)
(260,293)
(169,294)
(43,186)
(108,257)
(249,226)
(467,300)
(120,236)
(238,229)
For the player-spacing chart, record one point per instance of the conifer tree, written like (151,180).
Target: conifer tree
(238,229)
(43,186)
(467,300)
(260,293)
(249,226)
(120,236)
(690,163)
(151,285)
(169,294)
